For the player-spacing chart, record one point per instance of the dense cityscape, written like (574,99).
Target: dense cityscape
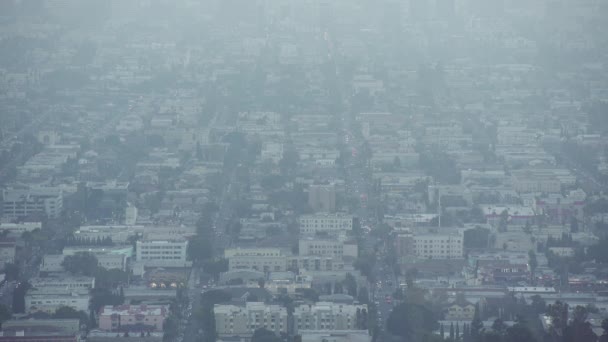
(304,170)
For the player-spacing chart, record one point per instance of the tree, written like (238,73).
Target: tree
(101,297)
(66,312)
(350,284)
(538,304)
(559,317)
(81,263)
(11,271)
(215,267)
(604,337)
(5,314)
(574,225)
(519,333)
(503,221)
(499,326)
(533,264)
(170,328)
(476,326)
(411,321)
(264,335)
(477,237)
(410,277)
(19,297)
(199,249)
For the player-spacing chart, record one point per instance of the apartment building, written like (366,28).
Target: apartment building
(327,316)
(233,320)
(331,223)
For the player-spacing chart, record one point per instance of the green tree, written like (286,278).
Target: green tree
(264,335)
(477,237)
(81,263)
(11,271)
(350,284)
(66,312)
(411,321)
(170,328)
(5,314)
(519,333)
(533,262)
(199,249)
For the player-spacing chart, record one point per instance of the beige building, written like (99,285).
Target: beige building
(233,320)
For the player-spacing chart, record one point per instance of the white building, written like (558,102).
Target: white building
(162,252)
(49,300)
(232,320)
(19,203)
(332,223)
(327,316)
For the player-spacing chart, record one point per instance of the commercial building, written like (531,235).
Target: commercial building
(133,317)
(331,223)
(327,316)
(233,320)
